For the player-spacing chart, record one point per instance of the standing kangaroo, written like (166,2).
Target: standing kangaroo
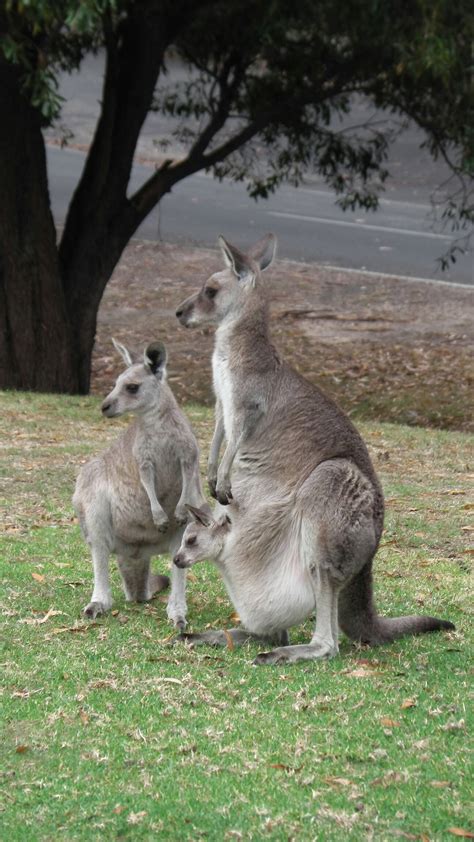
(131,499)
(307,510)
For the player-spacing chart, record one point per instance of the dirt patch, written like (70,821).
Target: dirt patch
(384,348)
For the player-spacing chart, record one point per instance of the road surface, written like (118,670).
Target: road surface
(396,240)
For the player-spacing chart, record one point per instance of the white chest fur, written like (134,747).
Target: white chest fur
(223,386)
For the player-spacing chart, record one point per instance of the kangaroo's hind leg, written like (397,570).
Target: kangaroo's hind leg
(101,599)
(139,583)
(324,643)
(338,536)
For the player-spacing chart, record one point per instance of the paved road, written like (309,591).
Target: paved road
(397,239)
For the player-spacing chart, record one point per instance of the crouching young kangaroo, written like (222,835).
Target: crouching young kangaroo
(130,500)
(309,507)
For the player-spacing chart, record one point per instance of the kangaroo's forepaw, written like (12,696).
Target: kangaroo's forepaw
(95,609)
(224,493)
(181,516)
(162,524)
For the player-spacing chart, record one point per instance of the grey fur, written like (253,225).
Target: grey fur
(131,499)
(305,503)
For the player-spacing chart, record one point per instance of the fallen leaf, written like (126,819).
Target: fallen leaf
(21,749)
(37,621)
(136,818)
(230,642)
(454,726)
(76,628)
(25,694)
(388,779)
(389,723)
(361,672)
(171,680)
(459,831)
(408,703)
(234,617)
(285,767)
(334,781)
(84,717)
(38,577)
(118,809)
(440,784)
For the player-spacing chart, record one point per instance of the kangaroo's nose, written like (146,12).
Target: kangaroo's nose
(178,560)
(106,407)
(179,313)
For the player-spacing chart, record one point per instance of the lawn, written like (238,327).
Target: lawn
(110,733)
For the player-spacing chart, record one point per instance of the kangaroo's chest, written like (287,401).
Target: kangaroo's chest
(223,387)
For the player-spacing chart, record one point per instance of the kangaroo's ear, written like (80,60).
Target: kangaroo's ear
(264,251)
(123,351)
(235,260)
(200,516)
(155,357)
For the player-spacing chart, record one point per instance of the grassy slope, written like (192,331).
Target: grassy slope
(107,733)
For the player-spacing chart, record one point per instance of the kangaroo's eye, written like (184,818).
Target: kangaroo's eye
(190,541)
(210,292)
(132,388)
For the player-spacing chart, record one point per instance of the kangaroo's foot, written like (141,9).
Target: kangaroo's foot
(95,609)
(235,637)
(292,654)
(230,637)
(176,612)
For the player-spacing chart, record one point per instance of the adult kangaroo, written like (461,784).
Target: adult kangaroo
(306,505)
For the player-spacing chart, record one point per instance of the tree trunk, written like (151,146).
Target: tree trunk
(36,344)
(50,295)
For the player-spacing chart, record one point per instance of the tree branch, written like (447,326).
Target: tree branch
(170,173)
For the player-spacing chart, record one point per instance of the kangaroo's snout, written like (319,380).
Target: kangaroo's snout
(185,310)
(179,561)
(182,314)
(107,408)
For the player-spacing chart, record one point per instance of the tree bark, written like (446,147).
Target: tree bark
(36,343)
(101,219)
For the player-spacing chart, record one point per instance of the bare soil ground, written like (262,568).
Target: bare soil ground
(384,348)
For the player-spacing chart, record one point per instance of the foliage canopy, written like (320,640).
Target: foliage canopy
(267,98)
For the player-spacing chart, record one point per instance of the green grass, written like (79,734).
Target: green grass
(110,734)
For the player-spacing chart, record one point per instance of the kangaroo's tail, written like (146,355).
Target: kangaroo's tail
(358,616)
